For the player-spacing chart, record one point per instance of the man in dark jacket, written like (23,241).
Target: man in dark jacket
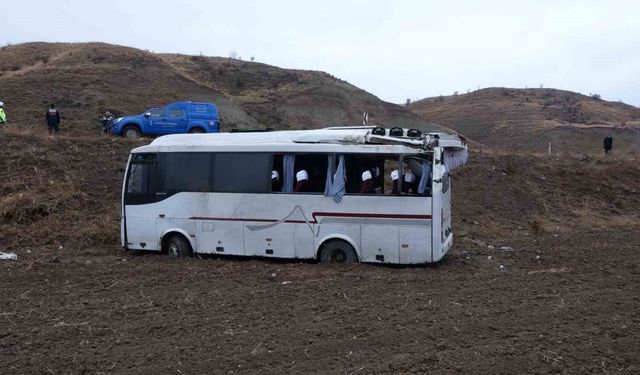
(608,144)
(53,119)
(106,119)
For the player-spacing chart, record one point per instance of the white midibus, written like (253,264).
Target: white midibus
(336,195)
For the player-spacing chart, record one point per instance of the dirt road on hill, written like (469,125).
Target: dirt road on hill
(573,310)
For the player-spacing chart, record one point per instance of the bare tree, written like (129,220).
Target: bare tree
(233,55)
(252,58)
(455,94)
(407,103)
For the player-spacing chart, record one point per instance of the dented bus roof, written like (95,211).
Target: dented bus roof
(357,139)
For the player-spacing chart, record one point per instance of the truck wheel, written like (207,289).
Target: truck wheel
(338,251)
(196,130)
(131,132)
(178,247)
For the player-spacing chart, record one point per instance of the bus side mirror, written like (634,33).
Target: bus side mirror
(148,114)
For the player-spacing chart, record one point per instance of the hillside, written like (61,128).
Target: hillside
(86,79)
(529,119)
(288,98)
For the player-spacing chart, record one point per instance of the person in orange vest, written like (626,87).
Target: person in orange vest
(53,119)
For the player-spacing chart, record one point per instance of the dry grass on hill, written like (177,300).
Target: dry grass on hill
(85,79)
(528,119)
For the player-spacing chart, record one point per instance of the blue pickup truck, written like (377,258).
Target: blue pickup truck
(179,117)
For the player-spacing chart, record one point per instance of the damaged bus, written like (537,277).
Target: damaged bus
(336,195)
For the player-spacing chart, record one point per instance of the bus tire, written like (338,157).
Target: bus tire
(177,246)
(131,132)
(196,130)
(338,251)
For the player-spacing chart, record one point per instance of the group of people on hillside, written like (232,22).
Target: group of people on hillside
(52,119)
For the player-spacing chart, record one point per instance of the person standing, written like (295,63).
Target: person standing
(3,115)
(608,144)
(53,119)
(106,119)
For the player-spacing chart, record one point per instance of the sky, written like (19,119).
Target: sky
(395,49)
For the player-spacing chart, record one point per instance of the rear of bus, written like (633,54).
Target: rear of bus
(442,232)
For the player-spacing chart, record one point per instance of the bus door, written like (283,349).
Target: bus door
(440,207)
(139,213)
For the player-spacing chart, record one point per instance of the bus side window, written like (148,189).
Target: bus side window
(142,174)
(277,174)
(403,176)
(409,183)
(391,173)
(365,173)
(141,179)
(310,172)
(242,172)
(416,179)
(185,171)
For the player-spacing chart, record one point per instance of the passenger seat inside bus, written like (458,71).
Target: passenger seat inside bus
(275,181)
(367,183)
(302,181)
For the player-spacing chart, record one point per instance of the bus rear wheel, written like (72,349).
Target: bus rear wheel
(339,252)
(177,246)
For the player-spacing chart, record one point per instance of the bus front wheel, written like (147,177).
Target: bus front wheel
(338,251)
(178,246)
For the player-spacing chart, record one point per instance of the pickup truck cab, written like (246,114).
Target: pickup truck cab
(179,117)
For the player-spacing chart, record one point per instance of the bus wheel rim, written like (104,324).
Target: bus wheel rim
(173,249)
(339,256)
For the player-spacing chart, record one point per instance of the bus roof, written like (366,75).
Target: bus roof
(333,140)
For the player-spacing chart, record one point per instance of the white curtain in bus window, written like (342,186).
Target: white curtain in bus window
(335,185)
(236,172)
(289,163)
(186,171)
(425,177)
(330,167)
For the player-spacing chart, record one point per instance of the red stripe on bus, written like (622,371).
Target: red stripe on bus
(369,216)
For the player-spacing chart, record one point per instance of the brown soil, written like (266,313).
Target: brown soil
(565,231)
